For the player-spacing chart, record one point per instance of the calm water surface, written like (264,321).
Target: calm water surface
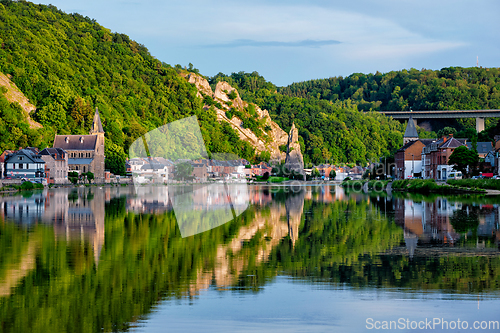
(301,259)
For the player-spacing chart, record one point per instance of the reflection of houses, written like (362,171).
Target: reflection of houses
(427,221)
(149,199)
(25,163)
(76,214)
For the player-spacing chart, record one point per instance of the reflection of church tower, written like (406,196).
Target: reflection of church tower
(99,149)
(294,205)
(411,133)
(411,241)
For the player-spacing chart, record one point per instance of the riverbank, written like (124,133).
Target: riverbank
(423,186)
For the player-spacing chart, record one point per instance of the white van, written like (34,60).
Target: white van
(455,175)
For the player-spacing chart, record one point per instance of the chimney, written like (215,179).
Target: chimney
(444,138)
(450,135)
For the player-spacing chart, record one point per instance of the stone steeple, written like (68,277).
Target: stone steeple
(411,133)
(293,161)
(96,124)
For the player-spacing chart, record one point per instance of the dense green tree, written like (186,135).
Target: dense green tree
(68,64)
(183,171)
(464,160)
(115,159)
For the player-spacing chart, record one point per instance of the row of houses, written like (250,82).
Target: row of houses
(78,153)
(428,158)
(161,170)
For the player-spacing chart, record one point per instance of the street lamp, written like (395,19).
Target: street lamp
(412,165)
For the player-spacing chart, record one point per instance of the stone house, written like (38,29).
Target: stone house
(3,156)
(408,159)
(56,165)
(85,152)
(436,155)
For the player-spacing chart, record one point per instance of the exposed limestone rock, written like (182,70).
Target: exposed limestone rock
(276,136)
(222,90)
(13,94)
(294,161)
(201,84)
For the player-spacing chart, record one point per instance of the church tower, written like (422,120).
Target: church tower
(97,130)
(411,133)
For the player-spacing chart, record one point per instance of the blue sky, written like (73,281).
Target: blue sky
(293,40)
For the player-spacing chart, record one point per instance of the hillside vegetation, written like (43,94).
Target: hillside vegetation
(67,65)
(452,88)
(330,131)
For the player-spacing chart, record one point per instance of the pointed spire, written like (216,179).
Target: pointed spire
(411,130)
(96,124)
(411,133)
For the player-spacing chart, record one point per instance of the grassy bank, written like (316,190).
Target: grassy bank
(487,184)
(271,179)
(373,185)
(26,186)
(430,186)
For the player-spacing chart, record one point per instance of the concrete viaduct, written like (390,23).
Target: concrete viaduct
(443,114)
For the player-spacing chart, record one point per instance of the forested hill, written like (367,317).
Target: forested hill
(67,65)
(330,131)
(452,88)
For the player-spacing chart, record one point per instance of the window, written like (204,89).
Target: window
(20,165)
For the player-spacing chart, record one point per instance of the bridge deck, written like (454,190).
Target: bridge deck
(441,114)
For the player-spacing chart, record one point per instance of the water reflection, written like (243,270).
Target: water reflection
(447,222)
(106,257)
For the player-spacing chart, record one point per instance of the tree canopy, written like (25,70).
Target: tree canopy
(68,64)
(463,159)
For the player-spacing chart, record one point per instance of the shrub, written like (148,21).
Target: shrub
(27,186)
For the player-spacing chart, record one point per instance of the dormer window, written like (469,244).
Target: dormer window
(66,139)
(81,139)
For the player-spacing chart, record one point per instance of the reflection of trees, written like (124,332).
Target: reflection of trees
(337,233)
(144,259)
(465,219)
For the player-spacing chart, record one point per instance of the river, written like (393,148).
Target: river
(257,258)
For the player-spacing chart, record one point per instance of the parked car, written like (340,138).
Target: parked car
(455,175)
(496,177)
(477,177)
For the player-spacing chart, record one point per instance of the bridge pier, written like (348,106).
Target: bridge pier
(479,124)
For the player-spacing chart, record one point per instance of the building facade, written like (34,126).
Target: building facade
(26,164)
(56,165)
(85,152)
(437,154)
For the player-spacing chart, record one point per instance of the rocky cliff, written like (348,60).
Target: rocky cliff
(14,95)
(273,136)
